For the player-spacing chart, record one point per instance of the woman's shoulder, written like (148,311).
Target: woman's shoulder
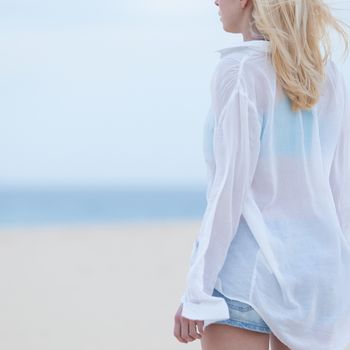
(225,78)
(232,59)
(241,66)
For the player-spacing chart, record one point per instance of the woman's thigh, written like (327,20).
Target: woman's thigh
(226,337)
(276,344)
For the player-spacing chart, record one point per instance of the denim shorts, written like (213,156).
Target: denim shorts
(243,315)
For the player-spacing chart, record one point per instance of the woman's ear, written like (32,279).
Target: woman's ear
(244,3)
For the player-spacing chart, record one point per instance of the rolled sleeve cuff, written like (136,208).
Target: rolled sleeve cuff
(209,312)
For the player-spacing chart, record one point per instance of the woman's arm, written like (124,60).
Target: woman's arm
(236,146)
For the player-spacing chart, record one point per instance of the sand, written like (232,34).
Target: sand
(93,287)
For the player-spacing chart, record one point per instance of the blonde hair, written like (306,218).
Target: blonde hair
(295,29)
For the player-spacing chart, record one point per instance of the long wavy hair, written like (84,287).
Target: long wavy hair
(296,30)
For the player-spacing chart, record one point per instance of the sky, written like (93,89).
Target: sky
(102,92)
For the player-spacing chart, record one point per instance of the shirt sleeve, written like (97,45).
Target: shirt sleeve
(340,168)
(236,146)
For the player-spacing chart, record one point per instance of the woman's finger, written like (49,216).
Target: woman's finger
(193,330)
(177,329)
(200,325)
(185,334)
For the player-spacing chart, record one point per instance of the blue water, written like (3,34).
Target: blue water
(107,205)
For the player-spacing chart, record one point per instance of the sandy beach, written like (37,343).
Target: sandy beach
(93,287)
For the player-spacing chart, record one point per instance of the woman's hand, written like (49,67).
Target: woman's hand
(185,329)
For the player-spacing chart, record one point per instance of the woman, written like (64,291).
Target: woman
(271,262)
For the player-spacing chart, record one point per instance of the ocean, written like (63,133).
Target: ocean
(46,206)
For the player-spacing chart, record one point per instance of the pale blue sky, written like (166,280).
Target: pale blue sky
(107,92)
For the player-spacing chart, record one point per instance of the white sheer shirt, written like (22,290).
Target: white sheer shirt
(276,229)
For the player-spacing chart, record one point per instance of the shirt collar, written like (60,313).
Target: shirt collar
(259,45)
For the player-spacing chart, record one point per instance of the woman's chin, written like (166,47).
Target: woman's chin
(225,28)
